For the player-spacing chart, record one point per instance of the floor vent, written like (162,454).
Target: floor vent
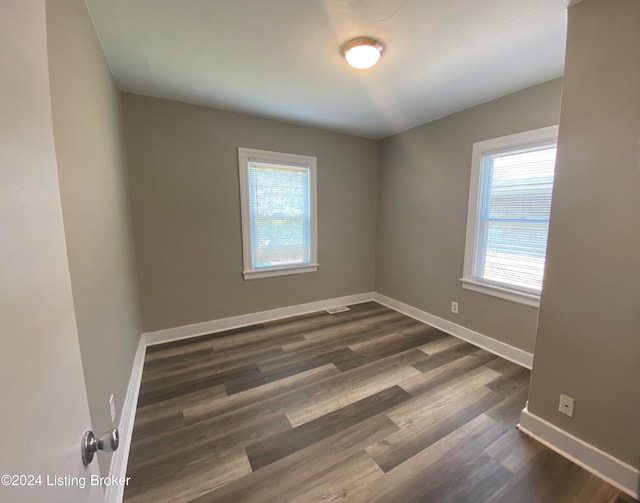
(339,309)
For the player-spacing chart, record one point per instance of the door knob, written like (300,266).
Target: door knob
(108,442)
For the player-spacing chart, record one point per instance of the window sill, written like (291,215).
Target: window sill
(279,271)
(527,299)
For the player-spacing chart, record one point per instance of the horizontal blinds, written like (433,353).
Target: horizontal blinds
(514,217)
(280,214)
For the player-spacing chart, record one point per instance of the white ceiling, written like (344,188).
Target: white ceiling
(282,58)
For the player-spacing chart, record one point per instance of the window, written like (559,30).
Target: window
(508,219)
(278,196)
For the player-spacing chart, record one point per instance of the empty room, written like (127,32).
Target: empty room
(320,250)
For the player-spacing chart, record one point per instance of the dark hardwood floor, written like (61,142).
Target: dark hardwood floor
(364,405)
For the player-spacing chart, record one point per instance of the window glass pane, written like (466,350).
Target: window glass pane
(279,214)
(514,217)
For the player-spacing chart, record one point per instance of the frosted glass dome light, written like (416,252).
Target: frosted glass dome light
(363,52)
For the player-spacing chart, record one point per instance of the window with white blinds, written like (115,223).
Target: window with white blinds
(509,207)
(278,213)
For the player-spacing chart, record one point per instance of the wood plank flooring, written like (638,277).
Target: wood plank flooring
(363,405)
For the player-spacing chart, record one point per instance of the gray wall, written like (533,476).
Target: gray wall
(93,188)
(422,212)
(588,342)
(183,165)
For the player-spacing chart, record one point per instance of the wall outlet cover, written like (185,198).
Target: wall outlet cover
(566,405)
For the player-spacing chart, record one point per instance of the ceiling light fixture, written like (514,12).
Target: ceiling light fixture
(363,52)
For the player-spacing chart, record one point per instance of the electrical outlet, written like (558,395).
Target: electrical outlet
(112,408)
(566,405)
(454,307)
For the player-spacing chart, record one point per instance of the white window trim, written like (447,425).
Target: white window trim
(495,145)
(245,155)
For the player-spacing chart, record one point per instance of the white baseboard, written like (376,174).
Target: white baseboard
(506,351)
(617,473)
(114,493)
(209,327)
